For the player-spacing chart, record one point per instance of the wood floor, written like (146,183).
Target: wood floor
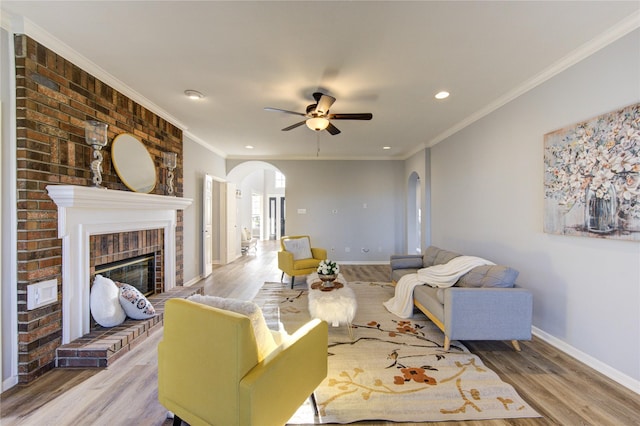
(561,389)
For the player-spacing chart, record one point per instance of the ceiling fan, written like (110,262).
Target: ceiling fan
(317,115)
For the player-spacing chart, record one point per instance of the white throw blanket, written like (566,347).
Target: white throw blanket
(442,276)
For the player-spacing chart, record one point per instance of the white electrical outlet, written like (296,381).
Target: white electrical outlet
(42,293)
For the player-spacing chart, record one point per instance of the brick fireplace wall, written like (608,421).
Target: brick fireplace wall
(54,97)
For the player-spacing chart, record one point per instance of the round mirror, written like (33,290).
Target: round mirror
(133,163)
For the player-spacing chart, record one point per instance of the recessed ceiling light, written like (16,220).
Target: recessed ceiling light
(442,95)
(193,94)
(386,147)
(249,146)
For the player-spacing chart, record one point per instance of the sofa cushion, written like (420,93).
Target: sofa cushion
(299,247)
(489,276)
(264,338)
(427,297)
(436,256)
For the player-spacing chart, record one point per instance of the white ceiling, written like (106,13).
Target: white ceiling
(388,58)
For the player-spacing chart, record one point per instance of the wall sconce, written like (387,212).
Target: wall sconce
(238,193)
(95,134)
(170,160)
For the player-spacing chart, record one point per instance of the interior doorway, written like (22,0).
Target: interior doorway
(414,214)
(272,218)
(282,210)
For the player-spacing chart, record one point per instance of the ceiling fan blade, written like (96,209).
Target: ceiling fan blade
(293,126)
(333,129)
(324,103)
(284,110)
(360,116)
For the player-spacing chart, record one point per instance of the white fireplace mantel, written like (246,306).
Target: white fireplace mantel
(85,211)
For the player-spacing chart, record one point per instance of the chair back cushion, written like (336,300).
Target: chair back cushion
(300,247)
(264,339)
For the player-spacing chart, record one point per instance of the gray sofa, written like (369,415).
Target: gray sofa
(484,304)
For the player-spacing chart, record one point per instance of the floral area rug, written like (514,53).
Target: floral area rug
(394,369)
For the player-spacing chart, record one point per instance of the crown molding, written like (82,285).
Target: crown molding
(204,144)
(624,27)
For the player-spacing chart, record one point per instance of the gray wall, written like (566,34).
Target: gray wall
(487,200)
(198,161)
(349,205)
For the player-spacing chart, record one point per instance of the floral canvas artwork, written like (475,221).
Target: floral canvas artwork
(592,177)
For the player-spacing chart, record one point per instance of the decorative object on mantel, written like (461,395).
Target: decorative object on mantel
(592,177)
(95,134)
(133,163)
(170,160)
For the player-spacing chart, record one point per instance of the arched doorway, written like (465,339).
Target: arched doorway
(261,199)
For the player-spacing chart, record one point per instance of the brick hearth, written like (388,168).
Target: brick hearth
(103,346)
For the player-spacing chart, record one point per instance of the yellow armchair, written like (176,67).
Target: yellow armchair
(297,257)
(209,373)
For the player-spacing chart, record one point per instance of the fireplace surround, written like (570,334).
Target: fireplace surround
(85,211)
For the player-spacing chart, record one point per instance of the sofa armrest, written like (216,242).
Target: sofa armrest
(408,261)
(282,382)
(488,313)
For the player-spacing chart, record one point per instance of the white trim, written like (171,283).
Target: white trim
(614,33)
(193,281)
(592,362)
(83,212)
(205,145)
(10,215)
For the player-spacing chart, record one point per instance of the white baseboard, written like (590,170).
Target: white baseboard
(193,281)
(9,383)
(601,367)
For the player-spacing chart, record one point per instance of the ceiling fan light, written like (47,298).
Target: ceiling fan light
(317,123)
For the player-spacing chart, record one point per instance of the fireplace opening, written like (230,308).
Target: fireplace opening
(137,271)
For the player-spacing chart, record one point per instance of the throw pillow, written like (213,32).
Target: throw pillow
(264,339)
(134,303)
(104,304)
(299,247)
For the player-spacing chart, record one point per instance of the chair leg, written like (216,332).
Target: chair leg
(447,343)
(177,421)
(516,345)
(312,397)
(282,276)
(293,279)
